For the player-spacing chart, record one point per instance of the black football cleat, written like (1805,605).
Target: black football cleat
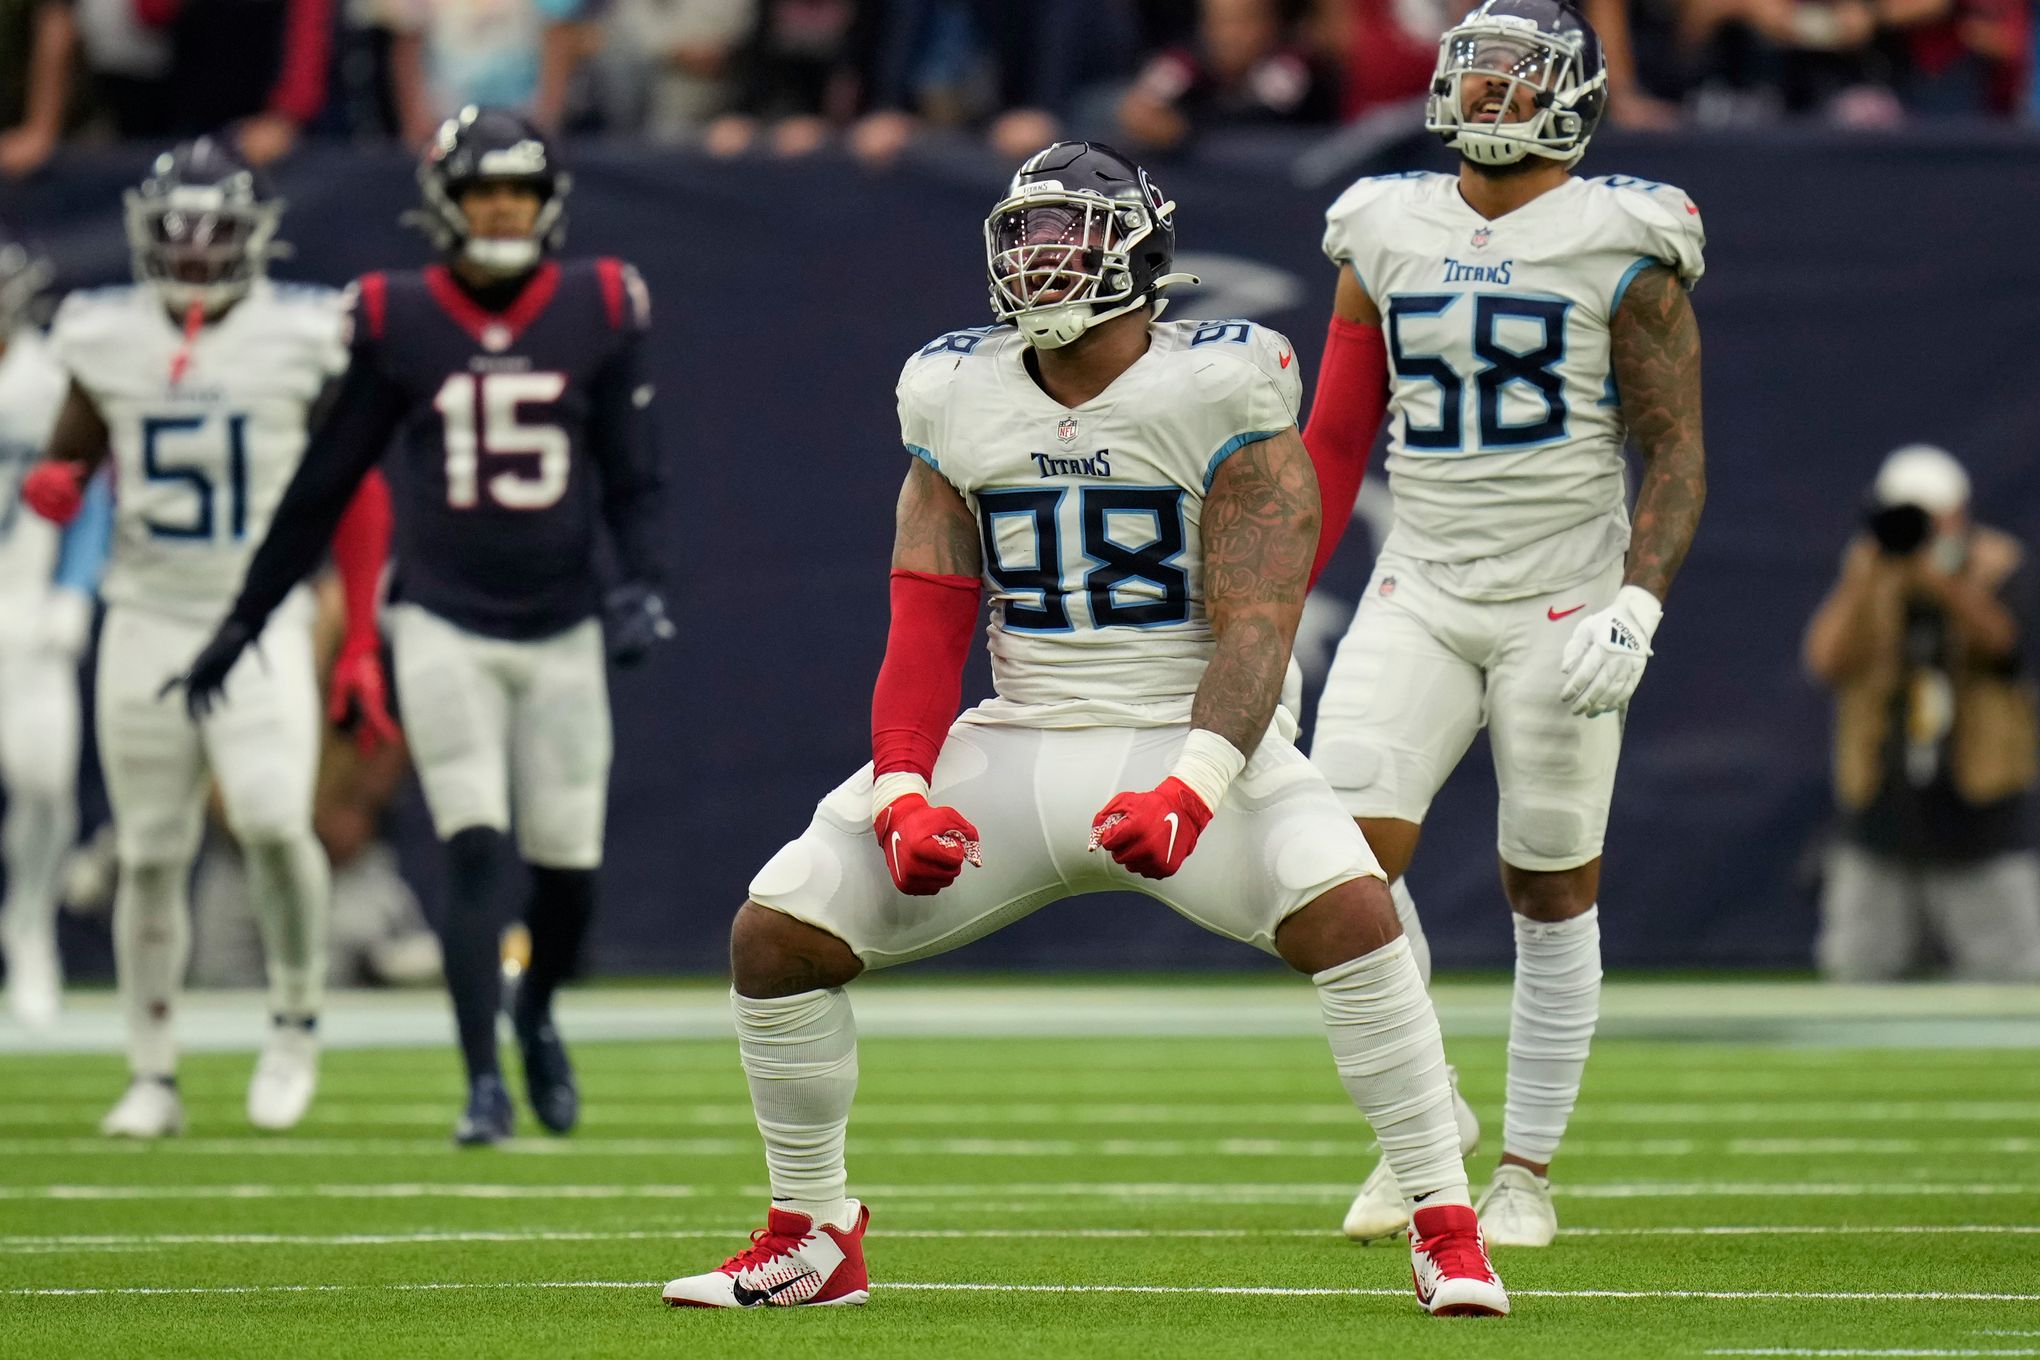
(548,1075)
(488,1116)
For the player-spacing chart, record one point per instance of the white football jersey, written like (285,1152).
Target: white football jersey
(1505,430)
(1089,516)
(32,389)
(204,441)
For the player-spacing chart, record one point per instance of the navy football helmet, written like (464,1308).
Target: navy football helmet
(1518,78)
(202,226)
(482,144)
(24,274)
(1082,235)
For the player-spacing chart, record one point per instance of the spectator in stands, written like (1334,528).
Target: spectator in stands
(259,69)
(678,60)
(520,54)
(1244,69)
(1964,58)
(800,75)
(1937,746)
(129,64)
(1013,69)
(38,81)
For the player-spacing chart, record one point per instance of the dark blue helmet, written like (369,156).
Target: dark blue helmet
(491,145)
(1518,78)
(24,274)
(202,226)
(1082,235)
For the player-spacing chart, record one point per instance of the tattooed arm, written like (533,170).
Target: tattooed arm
(933,530)
(1260,533)
(1657,371)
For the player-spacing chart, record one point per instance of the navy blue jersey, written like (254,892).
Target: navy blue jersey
(506,436)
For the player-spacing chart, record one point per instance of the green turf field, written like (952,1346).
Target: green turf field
(1116,1195)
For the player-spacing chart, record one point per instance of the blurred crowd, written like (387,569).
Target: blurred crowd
(786,77)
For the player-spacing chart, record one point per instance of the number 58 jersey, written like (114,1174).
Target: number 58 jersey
(1089,517)
(1505,425)
(206,432)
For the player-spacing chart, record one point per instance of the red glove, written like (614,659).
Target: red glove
(360,693)
(925,847)
(1152,833)
(54,490)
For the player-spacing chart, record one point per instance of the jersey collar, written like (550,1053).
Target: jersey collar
(494,330)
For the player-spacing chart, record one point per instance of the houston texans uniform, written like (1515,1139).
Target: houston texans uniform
(505,435)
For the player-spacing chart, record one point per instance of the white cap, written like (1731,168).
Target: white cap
(1923,475)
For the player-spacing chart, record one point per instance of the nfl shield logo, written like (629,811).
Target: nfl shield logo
(1387,586)
(1481,236)
(1066,429)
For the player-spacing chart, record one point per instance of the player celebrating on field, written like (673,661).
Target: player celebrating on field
(1517,324)
(200,378)
(512,384)
(1136,499)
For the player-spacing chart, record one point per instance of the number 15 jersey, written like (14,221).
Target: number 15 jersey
(1505,425)
(1089,516)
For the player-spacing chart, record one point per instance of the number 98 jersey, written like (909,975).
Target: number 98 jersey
(1505,426)
(206,434)
(1089,516)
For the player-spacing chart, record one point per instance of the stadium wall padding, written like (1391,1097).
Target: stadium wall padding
(1862,291)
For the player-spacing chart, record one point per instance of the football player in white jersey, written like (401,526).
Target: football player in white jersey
(199,381)
(46,585)
(1518,325)
(1135,498)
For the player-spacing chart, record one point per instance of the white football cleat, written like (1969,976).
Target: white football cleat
(35,981)
(150,1109)
(1379,1209)
(1450,1265)
(1515,1210)
(285,1076)
(789,1263)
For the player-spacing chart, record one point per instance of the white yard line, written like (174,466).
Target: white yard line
(1197,1192)
(96,1242)
(1346,1149)
(1802,1350)
(1721,1295)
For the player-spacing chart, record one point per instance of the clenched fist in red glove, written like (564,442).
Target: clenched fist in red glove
(360,695)
(55,490)
(1152,833)
(925,847)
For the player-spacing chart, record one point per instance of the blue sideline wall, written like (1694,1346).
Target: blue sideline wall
(1861,293)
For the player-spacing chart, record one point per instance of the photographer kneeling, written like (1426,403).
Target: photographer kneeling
(1936,743)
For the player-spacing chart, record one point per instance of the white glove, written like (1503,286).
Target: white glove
(1605,658)
(66,623)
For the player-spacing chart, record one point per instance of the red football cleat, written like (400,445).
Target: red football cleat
(1450,1263)
(789,1262)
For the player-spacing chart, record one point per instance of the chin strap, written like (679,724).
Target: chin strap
(502,257)
(1054,327)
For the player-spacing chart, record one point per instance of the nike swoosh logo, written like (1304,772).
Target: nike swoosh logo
(1556,614)
(1285,358)
(747,1297)
(895,850)
(1170,853)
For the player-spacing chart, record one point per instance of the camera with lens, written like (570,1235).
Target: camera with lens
(1900,530)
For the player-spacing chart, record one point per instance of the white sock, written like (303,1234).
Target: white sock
(800,1054)
(1391,1060)
(38,831)
(291,887)
(151,947)
(1557,1001)
(1412,928)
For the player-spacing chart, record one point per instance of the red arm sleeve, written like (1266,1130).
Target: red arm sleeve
(921,683)
(300,89)
(1345,415)
(361,543)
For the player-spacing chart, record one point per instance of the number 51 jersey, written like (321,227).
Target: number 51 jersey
(1505,426)
(206,433)
(1089,516)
